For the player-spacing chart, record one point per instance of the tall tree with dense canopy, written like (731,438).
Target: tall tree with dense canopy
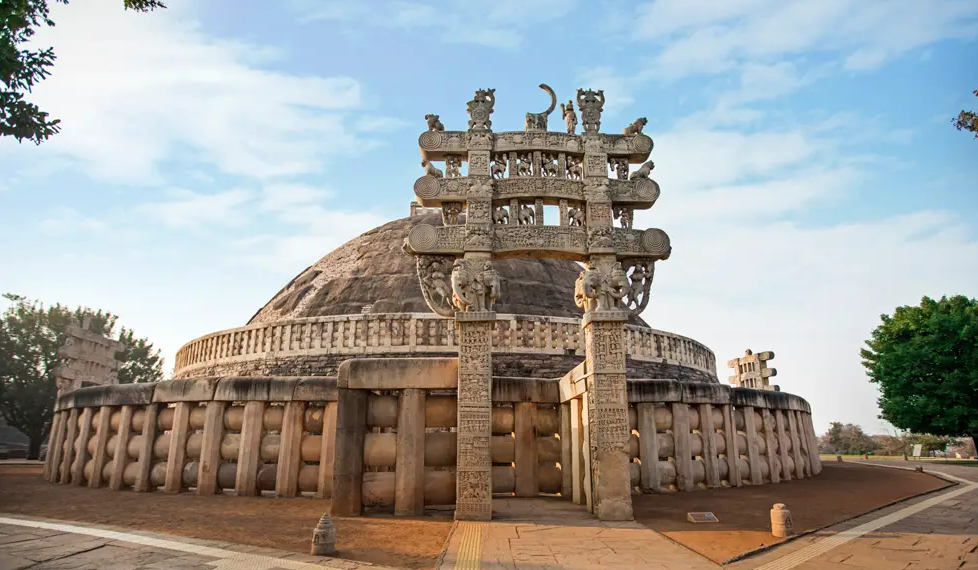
(925,360)
(967,120)
(30,336)
(22,69)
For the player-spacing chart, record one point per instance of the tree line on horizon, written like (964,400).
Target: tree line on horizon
(850,439)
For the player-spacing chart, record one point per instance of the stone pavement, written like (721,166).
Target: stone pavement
(27,543)
(543,534)
(934,532)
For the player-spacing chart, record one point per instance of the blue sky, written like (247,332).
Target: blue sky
(811,178)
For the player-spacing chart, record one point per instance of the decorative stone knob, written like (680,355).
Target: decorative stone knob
(324,537)
(781,525)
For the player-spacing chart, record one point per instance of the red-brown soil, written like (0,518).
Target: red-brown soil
(286,524)
(840,492)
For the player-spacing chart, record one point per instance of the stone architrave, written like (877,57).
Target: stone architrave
(91,359)
(751,370)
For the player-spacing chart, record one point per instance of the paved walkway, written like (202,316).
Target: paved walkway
(935,532)
(544,534)
(38,545)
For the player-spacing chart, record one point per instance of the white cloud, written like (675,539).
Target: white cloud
(134,90)
(501,24)
(284,197)
(66,221)
(704,37)
(375,124)
(188,209)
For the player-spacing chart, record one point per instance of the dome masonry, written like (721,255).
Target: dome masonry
(372,271)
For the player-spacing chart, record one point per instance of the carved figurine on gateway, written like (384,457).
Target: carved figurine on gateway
(510,179)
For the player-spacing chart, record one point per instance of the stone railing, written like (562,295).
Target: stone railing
(396,333)
(395,445)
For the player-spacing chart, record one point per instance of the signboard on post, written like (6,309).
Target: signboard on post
(917,448)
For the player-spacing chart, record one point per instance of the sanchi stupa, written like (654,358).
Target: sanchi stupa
(489,344)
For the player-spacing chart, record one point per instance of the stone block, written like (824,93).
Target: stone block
(539,390)
(706,393)
(270,389)
(654,391)
(315,389)
(398,373)
(114,395)
(191,390)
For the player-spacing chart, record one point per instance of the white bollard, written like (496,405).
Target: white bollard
(781,525)
(324,537)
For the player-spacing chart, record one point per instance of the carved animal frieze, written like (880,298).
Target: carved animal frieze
(435,145)
(478,237)
(601,290)
(526,215)
(525,166)
(548,166)
(500,215)
(575,168)
(557,241)
(431,169)
(498,168)
(636,127)
(643,172)
(538,121)
(434,124)
(474,289)
(533,187)
(599,238)
(575,216)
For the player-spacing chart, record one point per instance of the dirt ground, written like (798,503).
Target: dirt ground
(286,524)
(840,492)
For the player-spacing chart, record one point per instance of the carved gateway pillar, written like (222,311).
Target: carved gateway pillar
(457,278)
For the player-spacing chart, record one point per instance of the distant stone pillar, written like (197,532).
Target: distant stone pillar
(473,477)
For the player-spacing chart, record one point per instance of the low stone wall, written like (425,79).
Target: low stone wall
(394,444)
(541,347)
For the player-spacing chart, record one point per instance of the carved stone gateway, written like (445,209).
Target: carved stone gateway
(91,359)
(751,370)
(509,179)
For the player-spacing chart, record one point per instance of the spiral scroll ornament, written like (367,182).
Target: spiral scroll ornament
(642,143)
(656,243)
(431,140)
(424,237)
(426,187)
(645,189)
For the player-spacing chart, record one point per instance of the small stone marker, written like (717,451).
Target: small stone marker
(324,537)
(838,458)
(919,468)
(702,518)
(781,525)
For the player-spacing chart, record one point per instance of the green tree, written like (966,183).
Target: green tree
(21,69)
(925,361)
(30,336)
(967,120)
(846,439)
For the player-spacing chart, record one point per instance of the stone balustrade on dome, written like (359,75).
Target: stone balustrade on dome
(239,350)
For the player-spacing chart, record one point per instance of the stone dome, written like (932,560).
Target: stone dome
(372,270)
